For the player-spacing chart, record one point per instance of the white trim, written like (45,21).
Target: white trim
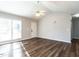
(56,40)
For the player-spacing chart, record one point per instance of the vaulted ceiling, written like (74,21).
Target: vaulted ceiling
(28,8)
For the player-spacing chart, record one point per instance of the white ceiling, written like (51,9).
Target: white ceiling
(28,8)
(70,7)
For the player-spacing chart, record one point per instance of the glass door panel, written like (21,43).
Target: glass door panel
(17,29)
(5,29)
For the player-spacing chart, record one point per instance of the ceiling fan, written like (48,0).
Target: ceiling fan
(40,11)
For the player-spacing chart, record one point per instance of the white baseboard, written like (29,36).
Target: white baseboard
(18,40)
(56,40)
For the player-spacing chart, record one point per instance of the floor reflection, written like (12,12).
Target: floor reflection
(11,50)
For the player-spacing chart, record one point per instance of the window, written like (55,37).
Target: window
(10,29)
(16,29)
(5,29)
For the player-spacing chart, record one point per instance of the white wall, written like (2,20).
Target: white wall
(56,27)
(29,28)
(26,28)
(33,29)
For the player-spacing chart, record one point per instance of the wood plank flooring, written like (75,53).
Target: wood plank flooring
(39,47)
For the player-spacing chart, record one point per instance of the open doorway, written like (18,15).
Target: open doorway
(75,28)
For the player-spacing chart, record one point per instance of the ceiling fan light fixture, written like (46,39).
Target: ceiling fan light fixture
(39,13)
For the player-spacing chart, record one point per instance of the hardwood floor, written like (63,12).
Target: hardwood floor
(38,47)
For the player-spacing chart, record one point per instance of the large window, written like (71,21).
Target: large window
(16,29)
(9,29)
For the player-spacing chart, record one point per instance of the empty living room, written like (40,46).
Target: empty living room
(39,28)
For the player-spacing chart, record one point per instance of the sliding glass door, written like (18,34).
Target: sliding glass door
(17,29)
(5,29)
(10,29)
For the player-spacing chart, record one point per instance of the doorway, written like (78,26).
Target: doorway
(75,28)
